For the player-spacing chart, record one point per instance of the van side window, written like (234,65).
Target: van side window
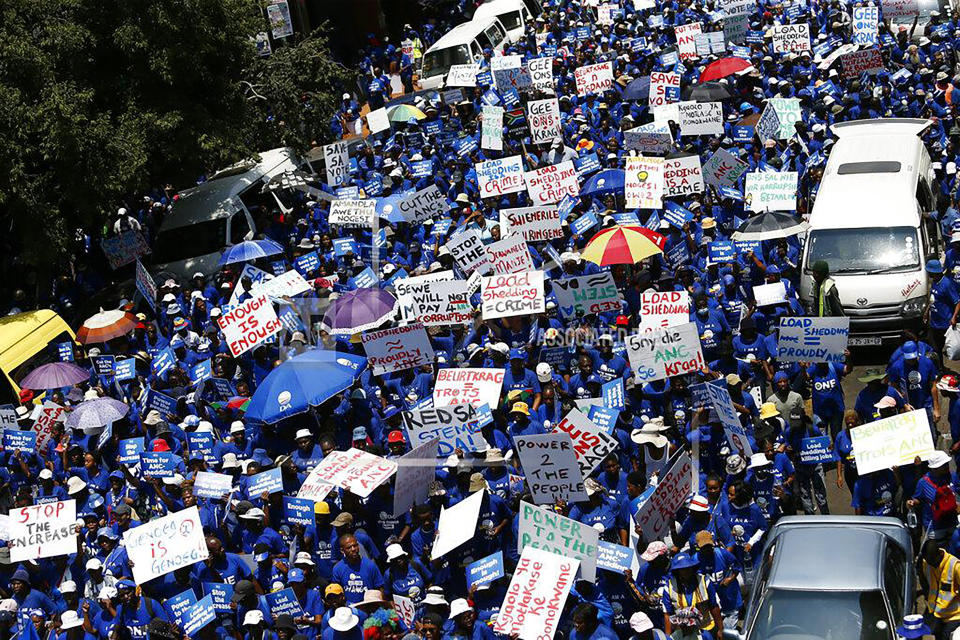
(476,51)
(494,33)
(893,576)
(239,227)
(483,40)
(924,197)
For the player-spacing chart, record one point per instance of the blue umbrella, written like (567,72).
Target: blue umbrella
(638,89)
(303,381)
(606,181)
(249,250)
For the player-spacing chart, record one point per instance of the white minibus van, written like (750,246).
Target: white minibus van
(464,44)
(513,15)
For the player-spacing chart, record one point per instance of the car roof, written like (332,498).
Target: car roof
(828,558)
(497,7)
(462,34)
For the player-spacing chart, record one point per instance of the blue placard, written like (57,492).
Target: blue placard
(201,442)
(65,351)
(669,58)
(306,263)
(566,206)
(510,97)
(130,450)
(755,36)
(298,511)
(26,441)
(268,481)
(730,192)
(373,187)
(700,397)
(397,275)
(739,51)
(421,168)
(677,215)
(125,370)
(583,33)
(816,450)
(485,570)
(199,616)
(432,127)
(466,146)
(743,133)
(366,279)
(163,362)
(278,267)
(613,557)
(157,464)
(629,217)
(180,604)
(223,387)
(484,78)
(792,12)
(104,365)
(655,20)
(584,223)
(484,415)
(557,357)
(283,601)
(221,593)
(653,222)
(547,49)
(613,394)
(201,371)
(105,436)
(678,255)
(587,164)
(291,320)
(348,193)
(603,417)
(163,403)
(441,227)
(744,246)
(722,251)
(343,246)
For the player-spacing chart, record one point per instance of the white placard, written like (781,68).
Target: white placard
(550,468)
(727,412)
(423,205)
(594,294)
(468,386)
(659,309)
(547,530)
(533,605)
(249,324)
(788,113)
(446,302)
(548,185)
(767,294)
(397,348)
(687,39)
(534,224)
(892,442)
(491,131)
(813,339)
(723,169)
(416,469)
(865,21)
(768,126)
(895,10)
(650,138)
(510,255)
(541,72)
(594,78)
(643,182)
(353,213)
(454,426)
(664,88)
(467,249)
(412,292)
(656,514)
(701,118)
(287,284)
(791,37)
(591,444)
(543,118)
(377,120)
(456,525)
(682,176)
(512,294)
(356,471)
(163,545)
(337,163)
(44,419)
(43,531)
(462,75)
(771,191)
(666,352)
(500,176)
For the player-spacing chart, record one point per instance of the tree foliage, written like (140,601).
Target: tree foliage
(100,98)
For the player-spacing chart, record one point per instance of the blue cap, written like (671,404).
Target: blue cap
(684,561)
(295,575)
(126,583)
(728,280)
(773,270)
(517,354)
(909,350)
(107,532)
(116,474)
(934,266)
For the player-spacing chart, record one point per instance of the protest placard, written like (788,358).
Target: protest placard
(146,285)
(595,294)
(664,88)
(455,426)
(25,441)
(125,248)
(180,604)
(682,176)
(299,511)
(656,514)
(895,10)
(666,352)
(456,525)
(129,450)
(709,43)
(550,468)
(212,485)
(720,251)
(8,418)
(719,397)
(723,169)
(43,530)
(269,481)
(541,72)
(377,120)
(534,224)
(288,284)
(789,112)
(768,126)
(660,309)
(423,205)
(791,37)
(858,62)
(353,213)
(543,118)
(445,302)
(485,570)
(643,182)
(594,78)
(767,294)
(416,469)
(534,601)
(203,612)
(202,443)
(614,557)
(892,442)
(865,19)
(509,73)
(513,294)
(406,608)
(359,472)
(686,35)
(397,348)
(158,464)
(771,191)
(510,255)
(491,127)
(462,75)
(498,177)
(649,138)
(163,545)
(467,249)
(45,418)
(544,529)
(591,444)
(701,118)
(337,163)
(413,294)
(249,324)
(816,450)
(468,386)
(813,339)
(552,183)
(283,602)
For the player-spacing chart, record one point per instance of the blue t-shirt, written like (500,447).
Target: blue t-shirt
(357,578)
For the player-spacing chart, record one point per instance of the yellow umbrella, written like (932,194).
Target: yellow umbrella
(623,244)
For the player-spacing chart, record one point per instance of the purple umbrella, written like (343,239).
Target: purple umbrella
(359,310)
(54,376)
(93,414)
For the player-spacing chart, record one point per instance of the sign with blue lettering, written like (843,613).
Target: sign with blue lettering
(284,601)
(220,593)
(25,441)
(813,339)
(125,369)
(585,165)
(584,223)
(614,557)
(130,450)
(298,511)
(65,351)
(157,464)
(613,394)
(306,263)
(266,482)
(816,450)
(721,251)
(104,365)
(485,570)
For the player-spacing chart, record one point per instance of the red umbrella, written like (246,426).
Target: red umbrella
(724,67)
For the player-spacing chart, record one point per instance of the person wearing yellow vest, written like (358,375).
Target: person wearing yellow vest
(826,299)
(690,601)
(940,578)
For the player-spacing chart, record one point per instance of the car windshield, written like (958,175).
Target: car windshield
(437,63)
(830,615)
(865,250)
(191,241)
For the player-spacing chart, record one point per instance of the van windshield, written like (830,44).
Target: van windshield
(437,63)
(830,615)
(876,250)
(191,241)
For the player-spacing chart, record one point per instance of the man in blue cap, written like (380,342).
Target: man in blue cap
(944,305)
(687,589)
(135,611)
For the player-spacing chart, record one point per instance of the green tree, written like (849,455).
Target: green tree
(99,98)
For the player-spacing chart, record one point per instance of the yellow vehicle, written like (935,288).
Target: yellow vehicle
(28,340)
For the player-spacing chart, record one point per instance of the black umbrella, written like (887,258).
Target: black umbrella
(770,225)
(638,89)
(707,92)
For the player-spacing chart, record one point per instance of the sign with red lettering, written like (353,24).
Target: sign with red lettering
(468,386)
(44,419)
(163,545)
(249,324)
(549,531)
(594,78)
(664,88)
(43,531)
(591,444)
(543,117)
(660,309)
(723,169)
(550,184)
(666,352)
(510,255)
(656,514)
(535,224)
(512,294)
(500,176)
(643,182)
(354,470)
(397,348)
(682,176)
(534,601)
(857,62)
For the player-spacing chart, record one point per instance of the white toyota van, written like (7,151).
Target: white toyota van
(513,15)
(870,223)
(464,44)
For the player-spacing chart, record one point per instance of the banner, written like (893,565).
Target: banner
(723,169)
(857,62)
(462,75)
(865,21)
(650,138)
(686,35)
(125,248)
(337,163)
(664,88)
(813,339)
(791,37)
(416,470)
(643,182)
(456,525)
(548,185)
(586,294)
(423,205)
(682,176)
(541,72)
(664,353)
(590,443)
(533,605)
(491,128)
(771,191)
(397,348)
(163,545)
(594,78)
(534,224)
(892,442)
(514,294)
(547,530)
(498,177)
(543,117)
(510,255)
(550,468)
(467,249)
(660,309)
(43,531)
(453,426)
(468,386)
(701,118)
(249,324)
(354,470)
(655,516)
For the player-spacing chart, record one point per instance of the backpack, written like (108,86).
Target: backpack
(944,506)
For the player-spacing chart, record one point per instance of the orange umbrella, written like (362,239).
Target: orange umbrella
(623,244)
(106,325)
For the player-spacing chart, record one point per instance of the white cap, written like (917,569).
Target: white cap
(204,426)
(106,593)
(395,551)
(93,564)
(459,606)
(544,372)
(8,605)
(303,433)
(68,586)
(45,474)
(640,622)
(254,616)
(938,459)
(175,480)
(303,557)
(236,426)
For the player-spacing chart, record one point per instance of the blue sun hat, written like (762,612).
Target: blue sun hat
(913,627)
